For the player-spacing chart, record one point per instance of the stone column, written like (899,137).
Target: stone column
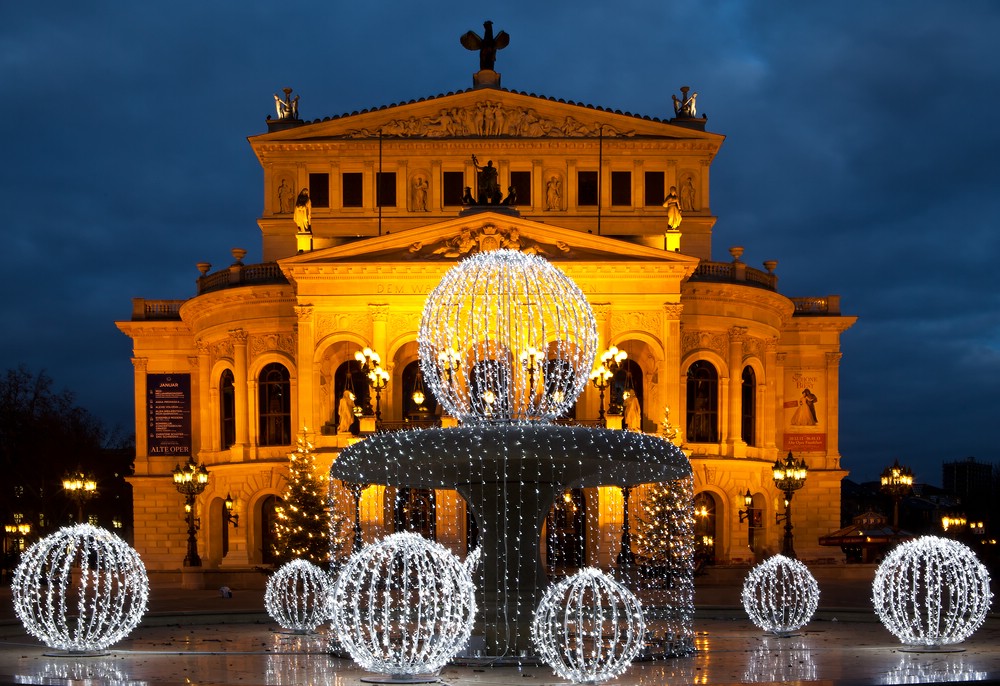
(770,402)
(139,366)
(833,409)
(199,404)
(537,185)
(304,354)
(737,446)
(241,387)
(602,315)
(670,379)
(207,410)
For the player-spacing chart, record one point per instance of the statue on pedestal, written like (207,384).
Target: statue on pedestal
(487,45)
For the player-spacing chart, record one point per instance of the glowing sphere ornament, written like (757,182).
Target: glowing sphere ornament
(297,596)
(780,595)
(506,336)
(931,592)
(403,606)
(588,627)
(80,589)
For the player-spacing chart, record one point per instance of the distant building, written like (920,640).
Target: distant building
(972,482)
(264,351)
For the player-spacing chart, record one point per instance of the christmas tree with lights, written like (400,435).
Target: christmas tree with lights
(302,522)
(665,527)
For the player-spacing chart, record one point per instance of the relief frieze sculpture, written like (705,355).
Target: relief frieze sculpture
(260,344)
(469,241)
(488,119)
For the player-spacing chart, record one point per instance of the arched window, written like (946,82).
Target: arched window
(413,380)
(702,403)
(227,409)
(566,532)
(413,510)
(749,424)
(275,405)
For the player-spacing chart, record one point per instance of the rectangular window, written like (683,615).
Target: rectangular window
(386,189)
(319,190)
(586,188)
(353,189)
(452,187)
(521,181)
(621,188)
(654,189)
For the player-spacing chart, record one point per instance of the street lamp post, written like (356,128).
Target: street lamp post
(601,378)
(80,487)
(190,481)
(356,490)
(896,483)
(612,360)
(378,378)
(789,476)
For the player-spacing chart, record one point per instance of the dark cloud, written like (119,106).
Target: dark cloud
(861,154)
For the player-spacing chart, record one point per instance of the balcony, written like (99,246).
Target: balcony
(735,272)
(241,274)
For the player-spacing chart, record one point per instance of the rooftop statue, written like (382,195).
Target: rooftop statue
(684,106)
(487,45)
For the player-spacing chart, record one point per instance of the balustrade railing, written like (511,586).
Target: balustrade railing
(736,272)
(241,275)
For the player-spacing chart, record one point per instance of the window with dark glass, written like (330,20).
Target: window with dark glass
(654,191)
(319,190)
(352,189)
(621,188)
(452,187)
(386,189)
(521,181)
(586,188)
(275,405)
(227,409)
(749,410)
(702,403)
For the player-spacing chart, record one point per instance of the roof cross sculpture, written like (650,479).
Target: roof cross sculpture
(487,45)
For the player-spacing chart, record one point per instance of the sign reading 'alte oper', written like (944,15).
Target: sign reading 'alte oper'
(168,413)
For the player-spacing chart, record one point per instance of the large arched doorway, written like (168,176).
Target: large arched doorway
(419,403)
(266,515)
(566,533)
(413,510)
(349,377)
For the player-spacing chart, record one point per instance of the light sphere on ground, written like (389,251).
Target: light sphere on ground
(297,596)
(931,592)
(780,595)
(507,336)
(80,589)
(403,606)
(588,627)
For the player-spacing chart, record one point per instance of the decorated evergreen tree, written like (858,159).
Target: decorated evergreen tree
(665,527)
(301,526)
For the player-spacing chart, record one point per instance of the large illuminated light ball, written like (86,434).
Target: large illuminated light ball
(297,596)
(931,592)
(506,336)
(780,595)
(588,627)
(80,589)
(404,606)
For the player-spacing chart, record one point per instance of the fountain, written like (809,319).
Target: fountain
(507,342)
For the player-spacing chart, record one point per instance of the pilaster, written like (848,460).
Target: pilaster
(139,367)
(833,409)
(241,385)
(305,349)
(737,446)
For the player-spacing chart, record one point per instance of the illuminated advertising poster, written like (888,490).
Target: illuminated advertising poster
(168,414)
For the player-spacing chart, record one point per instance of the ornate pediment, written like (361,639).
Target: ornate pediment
(488,118)
(470,240)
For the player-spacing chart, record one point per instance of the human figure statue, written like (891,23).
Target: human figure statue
(467,198)
(420,186)
(489,186)
(633,411)
(684,106)
(294,108)
(303,212)
(672,203)
(511,198)
(688,195)
(553,194)
(487,45)
(281,107)
(345,413)
(284,197)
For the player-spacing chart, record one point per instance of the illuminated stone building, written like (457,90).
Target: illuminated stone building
(262,351)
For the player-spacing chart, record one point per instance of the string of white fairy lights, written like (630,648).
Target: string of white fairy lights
(780,595)
(931,591)
(297,596)
(80,589)
(403,606)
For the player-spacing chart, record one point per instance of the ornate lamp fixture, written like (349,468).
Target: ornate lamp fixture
(612,360)
(789,476)
(80,487)
(896,483)
(450,361)
(418,396)
(601,379)
(227,513)
(378,378)
(531,360)
(190,481)
(748,504)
